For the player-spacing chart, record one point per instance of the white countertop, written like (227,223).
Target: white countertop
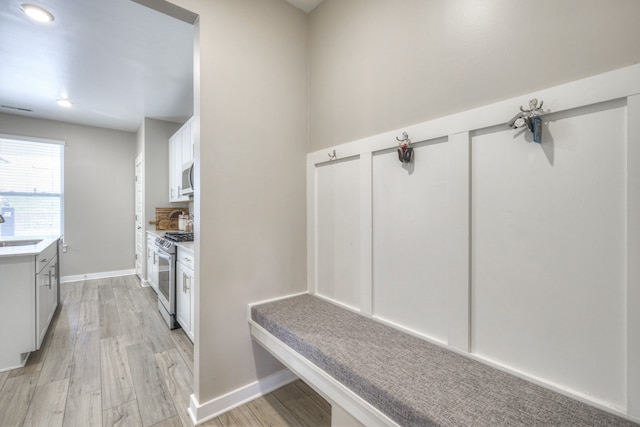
(25,250)
(157,233)
(186,245)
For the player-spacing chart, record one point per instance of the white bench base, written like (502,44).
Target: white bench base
(347,406)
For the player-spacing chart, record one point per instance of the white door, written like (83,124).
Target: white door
(139,230)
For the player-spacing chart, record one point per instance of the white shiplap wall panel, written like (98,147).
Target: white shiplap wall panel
(410,239)
(548,250)
(338,231)
(542,240)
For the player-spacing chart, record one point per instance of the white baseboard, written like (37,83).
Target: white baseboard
(200,413)
(93,276)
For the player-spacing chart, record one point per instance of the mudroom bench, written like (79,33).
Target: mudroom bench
(378,375)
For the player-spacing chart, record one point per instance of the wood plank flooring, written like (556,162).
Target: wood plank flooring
(109,360)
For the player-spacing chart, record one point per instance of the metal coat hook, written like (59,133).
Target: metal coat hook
(530,118)
(405,151)
(332,155)
(534,108)
(405,138)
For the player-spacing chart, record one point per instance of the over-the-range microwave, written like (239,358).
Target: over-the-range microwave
(187,180)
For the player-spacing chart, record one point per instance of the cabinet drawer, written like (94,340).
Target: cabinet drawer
(185,257)
(44,257)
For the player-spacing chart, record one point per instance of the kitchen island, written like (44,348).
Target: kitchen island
(29,282)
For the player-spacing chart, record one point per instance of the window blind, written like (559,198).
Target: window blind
(31,188)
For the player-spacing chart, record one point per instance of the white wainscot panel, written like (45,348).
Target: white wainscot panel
(548,250)
(410,241)
(338,231)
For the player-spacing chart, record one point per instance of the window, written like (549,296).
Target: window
(31,187)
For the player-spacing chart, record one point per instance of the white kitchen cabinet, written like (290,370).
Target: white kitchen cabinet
(17,310)
(28,300)
(184,291)
(180,154)
(175,167)
(187,143)
(152,264)
(46,290)
(46,299)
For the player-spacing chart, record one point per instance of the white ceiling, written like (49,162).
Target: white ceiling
(117,60)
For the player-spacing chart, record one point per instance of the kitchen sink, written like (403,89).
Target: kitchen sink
(8,243)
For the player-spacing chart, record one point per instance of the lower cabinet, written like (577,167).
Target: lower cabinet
(184,291)
(28,301)
(152,264)
(46,299)
(46,290)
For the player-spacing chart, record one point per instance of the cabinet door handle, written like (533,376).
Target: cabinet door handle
(44,260)
(49,279)
(189,285)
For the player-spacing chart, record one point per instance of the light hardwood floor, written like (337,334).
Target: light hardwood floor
(109,360)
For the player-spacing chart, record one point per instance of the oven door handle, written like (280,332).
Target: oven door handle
(163,254)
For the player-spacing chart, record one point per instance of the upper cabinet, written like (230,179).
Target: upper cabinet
(180,157)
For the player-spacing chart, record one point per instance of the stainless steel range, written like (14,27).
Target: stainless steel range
(179,236)
(164,276)
(164,251)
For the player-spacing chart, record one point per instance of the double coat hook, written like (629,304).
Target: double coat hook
(530,118)
(405,151)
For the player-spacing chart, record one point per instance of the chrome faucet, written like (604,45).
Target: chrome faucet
(1,219)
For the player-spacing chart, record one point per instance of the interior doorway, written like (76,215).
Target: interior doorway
(139,219)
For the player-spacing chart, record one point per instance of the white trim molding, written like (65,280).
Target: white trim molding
(604,87)
(93,276)
(633,256)
(202,412)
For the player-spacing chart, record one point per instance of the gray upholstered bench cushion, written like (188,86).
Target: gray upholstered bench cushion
(413,382)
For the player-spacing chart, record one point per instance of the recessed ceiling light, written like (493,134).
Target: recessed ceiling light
(37,13)
(64,103)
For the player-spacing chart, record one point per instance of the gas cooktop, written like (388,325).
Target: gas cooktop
(179,236)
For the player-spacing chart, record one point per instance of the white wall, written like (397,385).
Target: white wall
(155,148)
(525,249)
(99,192)
(378,65)
(373,65)
(251,108)
(410,239)
(152,142)
(548,250)
(338,198)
